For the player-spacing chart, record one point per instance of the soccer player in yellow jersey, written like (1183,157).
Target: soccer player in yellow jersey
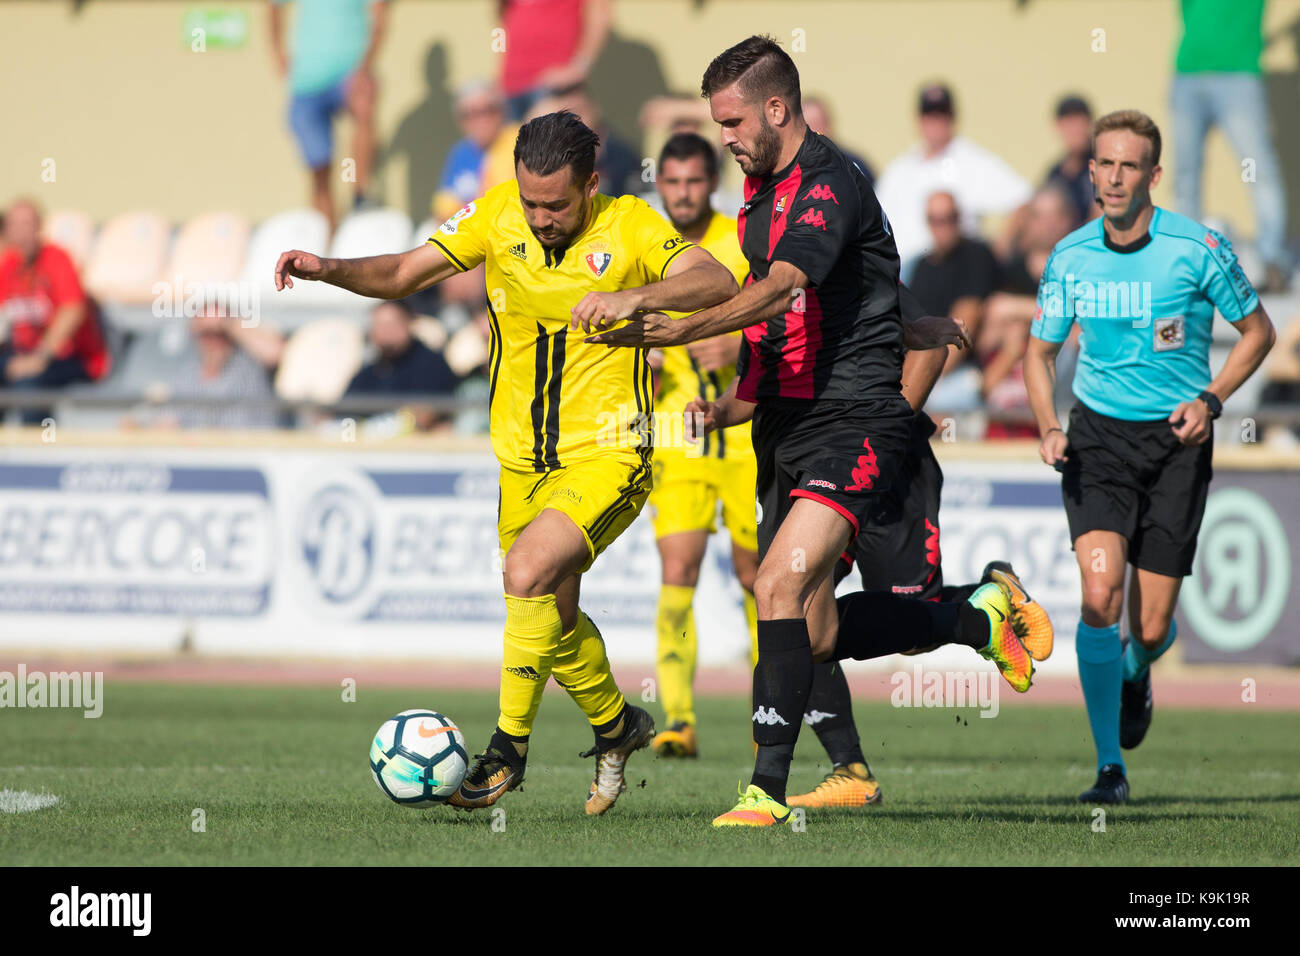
(557,252)
(688,485)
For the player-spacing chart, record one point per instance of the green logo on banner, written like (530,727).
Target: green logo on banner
(210,28)
(1243,559)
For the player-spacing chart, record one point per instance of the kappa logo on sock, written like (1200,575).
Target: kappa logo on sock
(769,717)
(527,673)
(815,717)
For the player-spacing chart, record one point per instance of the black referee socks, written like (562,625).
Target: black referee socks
(782,681)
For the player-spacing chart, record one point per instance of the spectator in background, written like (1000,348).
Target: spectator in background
(54,337)
(981,182)
(549,45)
(618,164)
(330,68)
(817,114)
(1072,173)
(480,114)
(403,365)
(954,278)
(1217,82)
(228,373)
(1003,335)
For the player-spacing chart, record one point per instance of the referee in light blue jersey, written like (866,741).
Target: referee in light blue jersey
(1143,283)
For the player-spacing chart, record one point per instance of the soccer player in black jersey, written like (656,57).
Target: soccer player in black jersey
(820,377)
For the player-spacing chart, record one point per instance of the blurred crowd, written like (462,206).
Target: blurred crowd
(973,234)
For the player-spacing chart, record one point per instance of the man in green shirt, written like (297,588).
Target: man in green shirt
(330,66)
(1217,81)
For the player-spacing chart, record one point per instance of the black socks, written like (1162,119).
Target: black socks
(830,714)
(782,682)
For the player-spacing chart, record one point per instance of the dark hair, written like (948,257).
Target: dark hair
(1134,122)
(551,142)
(682,146)
(763,69)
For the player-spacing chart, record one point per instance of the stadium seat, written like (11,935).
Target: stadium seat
(73,232)
(423,231)
(209,249)
(371,232)
(430,331)
(295,229)
(466,350)
(320,360)
(128,259)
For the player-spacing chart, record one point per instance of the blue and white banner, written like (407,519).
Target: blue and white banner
(339,551)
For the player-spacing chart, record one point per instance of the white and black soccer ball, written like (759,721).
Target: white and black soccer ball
(418,758)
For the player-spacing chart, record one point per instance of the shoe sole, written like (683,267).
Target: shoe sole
(626,751)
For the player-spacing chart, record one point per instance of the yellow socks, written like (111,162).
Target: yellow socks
(751,619)
(532,640)
(582,669)
(675,626)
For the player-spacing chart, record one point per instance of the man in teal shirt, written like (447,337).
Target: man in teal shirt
(1144,284)
(1217,82)
(330,66)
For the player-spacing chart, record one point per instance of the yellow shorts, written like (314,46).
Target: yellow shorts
(601,496)
(687,490)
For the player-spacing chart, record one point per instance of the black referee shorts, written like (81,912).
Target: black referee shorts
(846,455)
(1138,480)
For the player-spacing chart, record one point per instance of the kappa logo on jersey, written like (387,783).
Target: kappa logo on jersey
(867,470)
(814,217)
(1170,334)
(815,717)
(451,225)
(519,251)
(769,717)
(821,191)
(932,554)
(598,262)
(820,483)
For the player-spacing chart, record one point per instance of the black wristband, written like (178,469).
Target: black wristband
(1212,403)
(1054,428)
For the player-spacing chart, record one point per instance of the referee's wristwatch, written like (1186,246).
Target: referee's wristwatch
(1212,403)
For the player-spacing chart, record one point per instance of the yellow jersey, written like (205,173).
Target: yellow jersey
(554,398)
(681,379)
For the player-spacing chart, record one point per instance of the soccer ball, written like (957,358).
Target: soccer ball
(418,758)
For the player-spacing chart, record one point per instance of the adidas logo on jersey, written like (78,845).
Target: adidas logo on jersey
(769,717)
(815,717)
(519,251)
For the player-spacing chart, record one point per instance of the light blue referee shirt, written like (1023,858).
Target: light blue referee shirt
(1145,311)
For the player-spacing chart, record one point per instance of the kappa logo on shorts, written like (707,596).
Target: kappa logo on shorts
(1170,334)
(867,470)
(819,483)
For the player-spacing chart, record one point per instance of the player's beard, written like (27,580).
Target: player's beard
(767,147)
(561,240)
(685,226)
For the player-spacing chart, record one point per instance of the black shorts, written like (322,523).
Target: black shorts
(847,455)
(1138,480)
(898,548)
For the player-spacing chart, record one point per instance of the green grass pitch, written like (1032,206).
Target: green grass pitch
(282,778)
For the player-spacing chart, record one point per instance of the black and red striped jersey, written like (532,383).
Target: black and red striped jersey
(842,339)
